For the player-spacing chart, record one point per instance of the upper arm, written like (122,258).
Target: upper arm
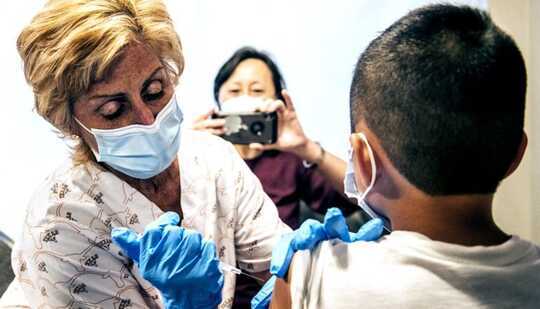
(64,264)
(281,297)
(297,291)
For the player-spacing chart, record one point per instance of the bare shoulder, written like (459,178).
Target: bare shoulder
(281,297)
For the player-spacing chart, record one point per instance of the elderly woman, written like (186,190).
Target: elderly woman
(103,73)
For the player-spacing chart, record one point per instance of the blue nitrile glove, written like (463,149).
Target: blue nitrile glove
(262,299)
(336,228)
(178,262)
(310,233)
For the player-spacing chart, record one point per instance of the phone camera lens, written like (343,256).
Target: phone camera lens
(257,128)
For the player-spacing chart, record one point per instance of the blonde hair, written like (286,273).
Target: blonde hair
(71,44)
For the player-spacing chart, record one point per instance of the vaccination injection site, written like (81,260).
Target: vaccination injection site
(278,154)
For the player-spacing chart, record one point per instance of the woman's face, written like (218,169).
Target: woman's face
(134,92)
(251,77)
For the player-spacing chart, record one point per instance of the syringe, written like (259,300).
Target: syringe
(237,271)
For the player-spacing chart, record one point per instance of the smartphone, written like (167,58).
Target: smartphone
(250,127)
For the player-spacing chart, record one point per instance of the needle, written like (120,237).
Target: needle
(237,271)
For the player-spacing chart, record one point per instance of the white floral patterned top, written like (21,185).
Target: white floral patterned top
(64,256)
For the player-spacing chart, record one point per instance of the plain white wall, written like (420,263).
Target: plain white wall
(315,43)
(517,202)
(534,108)
(30,150)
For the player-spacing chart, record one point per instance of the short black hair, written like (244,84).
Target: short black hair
(244,53)
(443,88)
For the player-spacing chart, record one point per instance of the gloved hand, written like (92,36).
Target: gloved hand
(178,262)
(310,233)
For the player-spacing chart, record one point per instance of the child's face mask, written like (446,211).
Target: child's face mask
(351,189)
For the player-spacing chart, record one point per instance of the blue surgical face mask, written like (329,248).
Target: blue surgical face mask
(349,183)
(141,151)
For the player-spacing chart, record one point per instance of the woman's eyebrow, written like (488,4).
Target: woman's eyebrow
(100,96)
(235,83)
(149,79)
(118,94)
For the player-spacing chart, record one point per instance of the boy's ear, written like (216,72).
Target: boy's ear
(519,155)
(361,161)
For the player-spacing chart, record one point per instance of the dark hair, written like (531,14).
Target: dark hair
(443,88)
(244,53)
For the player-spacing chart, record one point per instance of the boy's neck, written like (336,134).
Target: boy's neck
(464,220)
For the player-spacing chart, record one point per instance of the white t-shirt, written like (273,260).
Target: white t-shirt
(64,256)
(408,270)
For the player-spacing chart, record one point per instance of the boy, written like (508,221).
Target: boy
(437,109)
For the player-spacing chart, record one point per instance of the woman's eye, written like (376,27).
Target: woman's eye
(235,91)
(111,109)
(154,91)
(258,90)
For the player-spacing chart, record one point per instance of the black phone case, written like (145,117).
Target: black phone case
(250,128)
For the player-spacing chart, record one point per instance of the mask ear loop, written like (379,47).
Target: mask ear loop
(96,153)
(373,166)
(83,126)
(372,183)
